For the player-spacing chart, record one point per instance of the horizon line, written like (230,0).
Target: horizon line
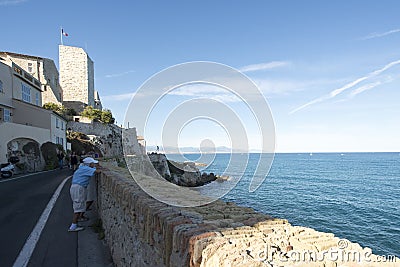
(255,152)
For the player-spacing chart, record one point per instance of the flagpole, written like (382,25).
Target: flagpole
(61,36)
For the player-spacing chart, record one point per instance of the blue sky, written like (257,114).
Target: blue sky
(329,70)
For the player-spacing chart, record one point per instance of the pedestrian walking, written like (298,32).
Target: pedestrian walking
(60,156)
(74,161)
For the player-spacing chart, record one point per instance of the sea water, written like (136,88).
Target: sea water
(353,195)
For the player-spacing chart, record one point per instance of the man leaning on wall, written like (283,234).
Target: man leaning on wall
(78,191)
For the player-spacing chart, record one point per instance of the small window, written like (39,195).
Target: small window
(7,114)
(37,99)
(62,141)
(1,86)
(30,67)
(62,125)
(57,123)
(57,140)
(26,93)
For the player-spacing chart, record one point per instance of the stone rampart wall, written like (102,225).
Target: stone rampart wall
(142,231)
(107,137)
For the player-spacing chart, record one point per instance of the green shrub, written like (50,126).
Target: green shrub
(49,153)
(54,107)
(61,110)
(104,116)
(31,148)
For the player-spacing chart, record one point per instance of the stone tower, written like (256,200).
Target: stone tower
(76,77)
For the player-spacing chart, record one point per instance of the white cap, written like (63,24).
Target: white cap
(89,160)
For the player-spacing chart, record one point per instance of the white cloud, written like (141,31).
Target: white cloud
(206,91)
(363,88)
(196,90)
(347,86)
(271,87)
(119,74)
(268,87)
(119,97)
(377,35)
(264,66)
(11,2)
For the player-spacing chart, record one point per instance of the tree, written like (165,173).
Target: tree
(91,113)
(49,153)
(54,107)
(60,109)
(71,112)
(106,116)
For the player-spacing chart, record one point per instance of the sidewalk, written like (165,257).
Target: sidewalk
(58,247)
(91,250)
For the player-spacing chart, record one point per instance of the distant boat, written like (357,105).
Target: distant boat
(310,154)
(342,154)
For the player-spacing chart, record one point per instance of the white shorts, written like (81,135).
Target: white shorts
(78,196)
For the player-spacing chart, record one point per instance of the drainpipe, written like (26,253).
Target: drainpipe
(37,68)
(12,82)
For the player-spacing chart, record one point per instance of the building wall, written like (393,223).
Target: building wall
(32,65)
(5,77)
(97,101)
(58,130)
(11,131)
(43,69)
(37,120)
(90,68)
(6,90)
(108,135)
(31,115)
(52,92)
(76,75)
(17,91)
(28,120)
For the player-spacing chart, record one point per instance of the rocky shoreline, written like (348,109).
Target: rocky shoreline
(182,173)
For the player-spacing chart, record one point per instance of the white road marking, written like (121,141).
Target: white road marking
(30,244)
(16,178)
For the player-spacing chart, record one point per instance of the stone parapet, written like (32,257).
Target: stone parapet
(142,231)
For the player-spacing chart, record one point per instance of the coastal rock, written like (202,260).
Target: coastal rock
(222,178)
(180,173)
(160,163)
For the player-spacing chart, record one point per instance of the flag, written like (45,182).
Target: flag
(63,32)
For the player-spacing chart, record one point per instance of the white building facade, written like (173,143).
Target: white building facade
(43,69)
(24,124)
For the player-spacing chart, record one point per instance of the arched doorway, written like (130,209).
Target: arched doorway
(28,152)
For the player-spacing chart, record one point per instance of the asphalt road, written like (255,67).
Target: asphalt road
(22,201)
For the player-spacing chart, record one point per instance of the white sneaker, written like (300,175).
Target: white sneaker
(77,229)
